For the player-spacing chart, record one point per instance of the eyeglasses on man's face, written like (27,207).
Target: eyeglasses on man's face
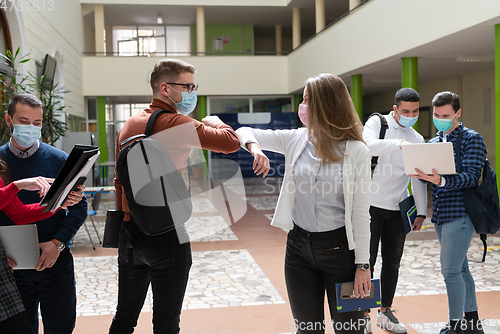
(190,87)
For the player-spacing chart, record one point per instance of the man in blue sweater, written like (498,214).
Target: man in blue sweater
(52,284)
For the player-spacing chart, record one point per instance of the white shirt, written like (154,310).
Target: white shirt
(24,154)
(389,182)
(319,195)
(355,182)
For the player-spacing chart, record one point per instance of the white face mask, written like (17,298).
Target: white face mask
(26,135)
(188,103)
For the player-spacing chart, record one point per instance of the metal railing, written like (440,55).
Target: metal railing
(220,53)
(193,53)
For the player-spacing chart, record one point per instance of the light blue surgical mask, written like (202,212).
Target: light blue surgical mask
(443,124)
(188,103)
(407,122)
(26,135)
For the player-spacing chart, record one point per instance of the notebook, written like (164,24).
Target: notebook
(21,244)
(408,213)
(427,156)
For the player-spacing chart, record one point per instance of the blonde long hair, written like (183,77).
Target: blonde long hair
(332,117)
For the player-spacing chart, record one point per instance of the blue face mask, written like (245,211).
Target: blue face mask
(407,122)
(443,124)
(188,103)
(26,135)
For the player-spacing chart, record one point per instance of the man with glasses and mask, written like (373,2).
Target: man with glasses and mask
(390,187)
(454,228)
(162,260)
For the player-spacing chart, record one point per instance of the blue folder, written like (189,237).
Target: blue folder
(346,303)
(408,213)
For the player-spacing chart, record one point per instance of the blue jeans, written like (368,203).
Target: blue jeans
(455,238)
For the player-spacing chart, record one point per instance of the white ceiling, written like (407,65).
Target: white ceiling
(437,60)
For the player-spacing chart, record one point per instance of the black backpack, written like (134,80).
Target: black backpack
(157,196)
(383,128)
(481,202)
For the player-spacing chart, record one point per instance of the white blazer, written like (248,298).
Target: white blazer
(356,182)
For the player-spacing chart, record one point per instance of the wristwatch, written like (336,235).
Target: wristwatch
(363,266)
(59,244)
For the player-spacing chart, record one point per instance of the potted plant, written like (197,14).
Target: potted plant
(15,82)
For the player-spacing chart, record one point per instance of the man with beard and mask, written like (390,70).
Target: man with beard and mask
(389,188)
(164,260)
(51,285)
(454,228)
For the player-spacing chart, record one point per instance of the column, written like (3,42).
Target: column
(354,3)
(101,128)
(200,31)
(497,100)
(357,94)
(296,37)
(202,107)
(320,15)
(409,75)
(99,29)
(279,39)
(297,99)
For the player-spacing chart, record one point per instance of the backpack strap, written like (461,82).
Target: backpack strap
(149,127)
(458,154)
(458,151)
(383,128)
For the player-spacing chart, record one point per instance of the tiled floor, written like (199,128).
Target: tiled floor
(237,285)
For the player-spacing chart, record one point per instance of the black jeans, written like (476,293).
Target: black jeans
(18,324)
(161,261)
(387,228)
(54,290)
(315,262)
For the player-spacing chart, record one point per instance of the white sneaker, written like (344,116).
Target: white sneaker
(368,324)
(389,322)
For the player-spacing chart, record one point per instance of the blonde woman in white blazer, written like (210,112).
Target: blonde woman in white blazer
(324,202)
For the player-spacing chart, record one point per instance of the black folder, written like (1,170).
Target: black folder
(72,174)
(114,221)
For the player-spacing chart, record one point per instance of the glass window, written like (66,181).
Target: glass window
(76,123)
(125,41)
(151,41)
(229,106)
(178,40)
(92,109)
(281,104)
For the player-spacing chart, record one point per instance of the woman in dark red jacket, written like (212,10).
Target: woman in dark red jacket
(13,317)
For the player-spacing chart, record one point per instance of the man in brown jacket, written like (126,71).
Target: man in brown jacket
(162,260)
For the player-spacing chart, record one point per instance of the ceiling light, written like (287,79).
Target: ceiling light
(475,59)
(159,18)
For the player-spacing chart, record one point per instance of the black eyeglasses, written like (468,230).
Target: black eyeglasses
(190,87)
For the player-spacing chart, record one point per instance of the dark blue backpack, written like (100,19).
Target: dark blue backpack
(481,202)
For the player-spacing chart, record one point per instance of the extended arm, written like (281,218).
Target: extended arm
(378,147)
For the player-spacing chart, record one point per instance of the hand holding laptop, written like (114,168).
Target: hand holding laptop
(434,178)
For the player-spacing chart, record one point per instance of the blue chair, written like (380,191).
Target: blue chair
(95,206)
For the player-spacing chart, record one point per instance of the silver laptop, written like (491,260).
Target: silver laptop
(21,244)
(427,156)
